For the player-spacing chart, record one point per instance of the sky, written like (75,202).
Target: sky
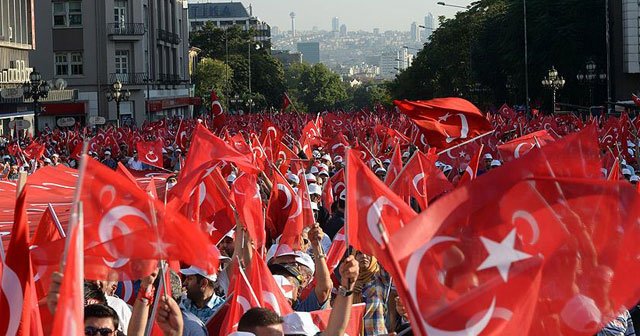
(356,14)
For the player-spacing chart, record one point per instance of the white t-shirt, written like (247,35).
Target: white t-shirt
(123,310)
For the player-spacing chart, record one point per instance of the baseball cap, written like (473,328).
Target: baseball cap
(311,178)
(316,154)
(47,160)
(626,171)
(323,172)
(343,195)
(634,178)
(323,166)
(55,155)
(285,286)
(299,323)
(386,161)
(314,170)
(406,154)
(314,189)
(193,270)
(107,153)
(381,170)
(293,178)
(337,159)
(327,157)
(488,156)
(496,163)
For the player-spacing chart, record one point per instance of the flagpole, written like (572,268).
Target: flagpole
(75,219)
(466,142)
(403,169)
(162,288)
(56,221)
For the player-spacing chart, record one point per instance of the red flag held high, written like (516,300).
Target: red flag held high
(150,152)
(516,148)
(445,121)
(471,172)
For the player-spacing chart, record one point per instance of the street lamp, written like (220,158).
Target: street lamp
(235,100)
(35,89)
(590,77)
(116,94)
(454,6)
(554,82)
(250,104)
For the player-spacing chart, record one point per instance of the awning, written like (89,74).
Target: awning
(163,104)
(62,109)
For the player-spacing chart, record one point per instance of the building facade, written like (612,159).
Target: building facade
(91,44)
(310,52)
(227,14)
(415,32)
(429,26)
(624,49)
(16,40)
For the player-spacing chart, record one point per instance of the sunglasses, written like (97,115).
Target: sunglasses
(92,331)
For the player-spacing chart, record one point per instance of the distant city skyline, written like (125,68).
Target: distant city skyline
(357,15)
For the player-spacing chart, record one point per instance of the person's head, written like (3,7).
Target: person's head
(107,154)
(487,160)
(363,259)
(55,158)
(226,245)
(100,320)
(171,182)
(199,285)
(261,322)
(93,294)
(381,173)
(108,287)
(289,278)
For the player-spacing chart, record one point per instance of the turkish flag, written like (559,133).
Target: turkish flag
(614,171)
(471,171)
(285,102)
(18,299)
(445,121)
(299,216)
(321,319)
(395,167)
(48,230)
(182,136)
(34,151)
(282,203)
(265,286)
(516,148)
(124,226)
(211,207)
(150,152)
(207,151)
(372,209)
(249,205)
(270,138)
(422,180)
(69,315)
(285,154)
(242,300)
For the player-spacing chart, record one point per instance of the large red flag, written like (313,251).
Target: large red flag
(48,230)
(282,203)
(395,167)
(516,148)
(321,319)
(422,180)
(18,300)
(124,225)
(69,314)
(207,151)
(249,205)
(371,208)
(150,152)
(445,121)
(242,300)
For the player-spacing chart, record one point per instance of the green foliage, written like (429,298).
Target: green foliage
(212,74)
(368,96)
(315,86)
(479,54)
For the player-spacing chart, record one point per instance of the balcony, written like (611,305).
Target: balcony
(169,79)
(168,37)
(132,78)
(125,31)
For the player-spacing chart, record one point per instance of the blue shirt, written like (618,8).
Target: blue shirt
(205,312)
(311,304)
(193,326)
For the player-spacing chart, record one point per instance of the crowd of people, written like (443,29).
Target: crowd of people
(197,302)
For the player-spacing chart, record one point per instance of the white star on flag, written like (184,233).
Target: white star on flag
(462,154)
(444,117)
(160,248)
(210,227)
(502,255)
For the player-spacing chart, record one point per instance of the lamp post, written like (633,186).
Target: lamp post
(554,82)
(250,104)
(454,6)
(590,76)
(235,100)
(117,95)
(35,89)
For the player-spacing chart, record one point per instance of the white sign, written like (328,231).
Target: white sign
(97,120)
(19,124)
(66,122)
(11,93)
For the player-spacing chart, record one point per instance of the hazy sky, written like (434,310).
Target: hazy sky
(356,14)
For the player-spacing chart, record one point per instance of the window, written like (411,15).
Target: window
(122,61)
(120,12)
(69,64)
(67,14)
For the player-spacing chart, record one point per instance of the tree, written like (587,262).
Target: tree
(317,87)
(212,74)
(368,96)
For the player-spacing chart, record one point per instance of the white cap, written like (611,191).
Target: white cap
(634,178)
(107,153)
(315,189)
(314,170)
(285,286)
(440,164)
(381,170)
(316,154)
(299,323)
(337,159)
(386,161)
(323,172)
(311,178)
(55,155)
(323,166)
(406,154)
(47,160)
(633,171)
(343,195)
(488,156)
(327,157)
(305,259)
(626,171)
(630,143)
(293,178)
(179,150)
(193,270)
(231,178)
(242,333)
(581,312)
(314,206)
(496,163)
